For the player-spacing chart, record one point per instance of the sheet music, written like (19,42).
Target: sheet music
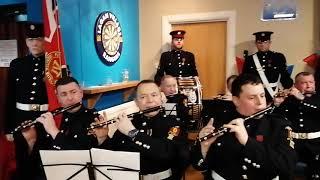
(64,171)
(129,160)
(170,108)
(118,158)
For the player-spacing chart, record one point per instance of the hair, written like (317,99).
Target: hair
(146,81)
(166,77)
(242,80)
(66,80)
(304,73)
(231,79)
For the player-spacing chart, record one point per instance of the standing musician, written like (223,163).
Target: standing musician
(177,62)
(270,66)
(72,133)
(27,99)
(254,149)
(301,108)
(169,87)
(158,137)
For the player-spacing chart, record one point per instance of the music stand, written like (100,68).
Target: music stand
(94,164)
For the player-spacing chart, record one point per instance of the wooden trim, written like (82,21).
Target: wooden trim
(94,93)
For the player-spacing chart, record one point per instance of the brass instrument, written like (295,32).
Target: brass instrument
(54,112)
(111,121)
(223,130)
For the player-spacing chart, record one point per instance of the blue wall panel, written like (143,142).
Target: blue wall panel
(78,19)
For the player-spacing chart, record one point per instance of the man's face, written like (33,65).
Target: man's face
(69,94)
(263,45)
(251,99)
(35,46)
(177,43)
(148,96)
(305,83)
(169,86)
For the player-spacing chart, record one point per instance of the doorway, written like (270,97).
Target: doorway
(208,43)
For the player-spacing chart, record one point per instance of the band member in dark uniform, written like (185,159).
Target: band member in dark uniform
(177,62)
(169,87)
(27,99)
(270,66)
(219,104)
(259,148)
(72,133)
(301,108)
(158,137)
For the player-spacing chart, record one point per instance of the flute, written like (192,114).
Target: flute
(223,130)
(54,112)
(113,120)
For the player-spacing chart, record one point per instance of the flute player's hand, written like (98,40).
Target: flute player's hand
(49,124)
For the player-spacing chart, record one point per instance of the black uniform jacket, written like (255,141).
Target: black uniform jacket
(182,107)
(177,63)
(266,154)
(73,133)
(25,85)
(157,152)
(304,116)
(274,64)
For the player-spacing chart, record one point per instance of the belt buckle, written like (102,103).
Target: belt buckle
(35,107)
(303,135)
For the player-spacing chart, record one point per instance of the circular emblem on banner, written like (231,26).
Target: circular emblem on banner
(53,66)
(108,37)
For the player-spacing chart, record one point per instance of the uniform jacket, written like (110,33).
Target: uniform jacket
(157,152)
(266,154)
(304,116)
(73,132)
(25,85)
(177,63)
(274,64)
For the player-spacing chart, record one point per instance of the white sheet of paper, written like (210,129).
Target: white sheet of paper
(8,52)
(65,171)
(118,158)
(170,108)
(99,157)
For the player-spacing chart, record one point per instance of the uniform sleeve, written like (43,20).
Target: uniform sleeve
(285,80)
(10,101)
(194,71)
(197,161)
(161,69)
(274,158)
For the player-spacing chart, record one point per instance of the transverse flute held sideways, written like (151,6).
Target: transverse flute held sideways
(54,112)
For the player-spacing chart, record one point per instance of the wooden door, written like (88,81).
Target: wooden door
(208,43)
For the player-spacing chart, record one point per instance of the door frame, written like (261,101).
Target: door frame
(228,16)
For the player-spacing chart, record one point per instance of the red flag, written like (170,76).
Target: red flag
(55,58)
(311,60)
(240,62)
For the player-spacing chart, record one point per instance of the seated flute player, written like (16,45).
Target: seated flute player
(254,146)
(158,137)
(169,87)
(72,133)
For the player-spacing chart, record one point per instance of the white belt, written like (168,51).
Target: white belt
(216,176)
(312,135)
(160,175)
(32,107)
